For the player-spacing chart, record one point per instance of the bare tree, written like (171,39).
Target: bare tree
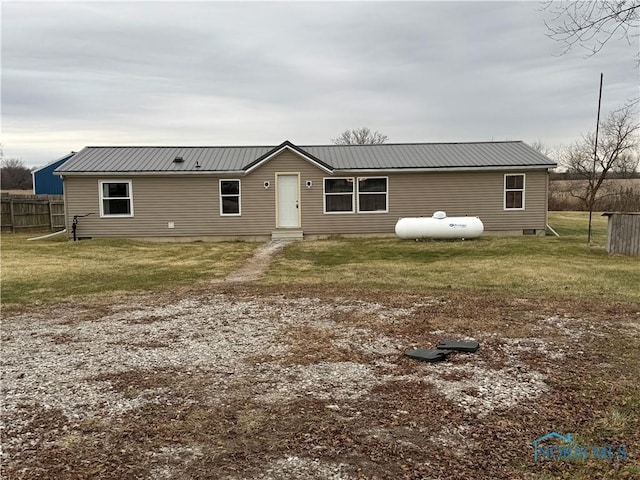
(360,136)
(540,147)
(628,166)
(617,152)
(591,24)
(14,175)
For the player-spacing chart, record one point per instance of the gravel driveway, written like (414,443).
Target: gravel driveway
(117,374)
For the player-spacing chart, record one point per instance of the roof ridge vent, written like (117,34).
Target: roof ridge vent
(178,159)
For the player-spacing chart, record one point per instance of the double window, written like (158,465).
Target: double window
(116,199)
(514,192)
(364,194)
(229,197)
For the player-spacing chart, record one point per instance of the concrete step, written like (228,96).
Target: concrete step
(287,234)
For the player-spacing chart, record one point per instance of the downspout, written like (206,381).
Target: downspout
(552,230)
(47,236)
(74,225)
(547,211)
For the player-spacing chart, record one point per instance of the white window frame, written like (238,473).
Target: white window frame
(239,195)
(325,194)
(506,190)
(386,194)
(103,198)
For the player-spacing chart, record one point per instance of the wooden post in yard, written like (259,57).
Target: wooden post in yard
(13,219)
(50,214)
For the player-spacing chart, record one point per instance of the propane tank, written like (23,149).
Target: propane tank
(439,226)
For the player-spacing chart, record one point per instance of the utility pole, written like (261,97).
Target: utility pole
(595,158)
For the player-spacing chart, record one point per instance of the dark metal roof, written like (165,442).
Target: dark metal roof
(511,154)
(430,155)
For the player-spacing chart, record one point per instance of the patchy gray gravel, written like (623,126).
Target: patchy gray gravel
(66,359)
(50,357)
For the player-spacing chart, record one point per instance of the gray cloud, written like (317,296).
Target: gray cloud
(76,74)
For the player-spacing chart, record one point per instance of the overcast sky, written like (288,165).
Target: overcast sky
(207,73)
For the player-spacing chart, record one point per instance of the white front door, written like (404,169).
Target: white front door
(288,202)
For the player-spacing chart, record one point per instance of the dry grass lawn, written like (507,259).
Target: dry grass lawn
(53,270)
(169,373)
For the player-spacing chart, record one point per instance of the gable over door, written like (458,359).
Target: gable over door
(288,201)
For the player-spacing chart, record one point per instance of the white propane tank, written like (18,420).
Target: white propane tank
(439,226)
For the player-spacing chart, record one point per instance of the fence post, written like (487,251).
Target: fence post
(13,220)
(50,215)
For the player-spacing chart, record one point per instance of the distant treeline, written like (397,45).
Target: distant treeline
(14,175)
(577,176)
(616,195)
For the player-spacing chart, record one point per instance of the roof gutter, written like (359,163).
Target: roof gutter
(443,169)
(146,174)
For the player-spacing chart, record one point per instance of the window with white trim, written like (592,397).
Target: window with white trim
(338,195)
(116,199)
(229,197)
(514,192)
(372,194)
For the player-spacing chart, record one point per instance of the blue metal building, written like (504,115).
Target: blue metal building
(45,182)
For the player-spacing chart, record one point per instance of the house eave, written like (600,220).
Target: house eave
(216,173)
(444,169)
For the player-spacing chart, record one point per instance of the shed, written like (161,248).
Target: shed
(623,232)
(45,182)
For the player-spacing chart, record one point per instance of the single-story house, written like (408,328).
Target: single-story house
(44,180)
(257,193)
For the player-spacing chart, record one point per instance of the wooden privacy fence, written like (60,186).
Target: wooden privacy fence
(23,213)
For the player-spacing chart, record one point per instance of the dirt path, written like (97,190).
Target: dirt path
(257,265)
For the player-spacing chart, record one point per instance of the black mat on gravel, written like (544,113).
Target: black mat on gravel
(428,355)
(469,346)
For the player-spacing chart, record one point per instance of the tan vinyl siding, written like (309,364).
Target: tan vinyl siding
(421,194)
(192,202)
